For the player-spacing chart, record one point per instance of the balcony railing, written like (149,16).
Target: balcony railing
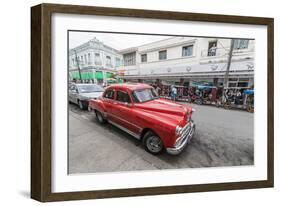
(220,52)
(213,52)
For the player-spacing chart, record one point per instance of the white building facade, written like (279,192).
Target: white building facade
(189,60)
(97,62)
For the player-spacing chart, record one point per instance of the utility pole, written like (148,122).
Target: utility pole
(77,61)
(225,84)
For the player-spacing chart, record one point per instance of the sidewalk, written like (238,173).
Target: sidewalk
(97,148)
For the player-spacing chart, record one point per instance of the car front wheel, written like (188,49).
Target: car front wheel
(152,143)
(100,118)
(80,104)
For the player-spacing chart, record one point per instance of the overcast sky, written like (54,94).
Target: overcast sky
(116,41)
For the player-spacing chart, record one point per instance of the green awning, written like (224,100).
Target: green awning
(109,75)
(90,75)
(74,75)
(84,75)
(99,75)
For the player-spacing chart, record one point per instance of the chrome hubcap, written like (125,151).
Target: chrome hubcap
(154,144)
(99,117)
(80,105)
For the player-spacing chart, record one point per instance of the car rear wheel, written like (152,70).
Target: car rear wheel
(100,118)
(152,143)
(80,104)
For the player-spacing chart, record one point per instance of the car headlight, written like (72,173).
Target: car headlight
(178,130)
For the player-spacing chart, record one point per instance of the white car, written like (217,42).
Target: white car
(80,94)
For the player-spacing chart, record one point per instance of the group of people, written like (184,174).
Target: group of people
(239,96)
(166,91)
(211,94)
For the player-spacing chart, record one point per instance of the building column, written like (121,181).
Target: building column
(251,83)
(158,81)
(104,76)
(181,81)
(94,79)
(216,80)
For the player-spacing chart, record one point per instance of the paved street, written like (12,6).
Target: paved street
(222,138)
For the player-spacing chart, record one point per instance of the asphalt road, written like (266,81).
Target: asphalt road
(222,138)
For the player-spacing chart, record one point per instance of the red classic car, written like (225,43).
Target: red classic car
(137,109)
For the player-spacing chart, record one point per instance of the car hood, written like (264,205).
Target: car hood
(91,95)
(165,107)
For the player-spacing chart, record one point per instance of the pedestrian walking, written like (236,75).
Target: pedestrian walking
(174,93)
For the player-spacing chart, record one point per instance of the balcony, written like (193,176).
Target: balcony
(221,54)
(98,63)
(109,65)
(213,53)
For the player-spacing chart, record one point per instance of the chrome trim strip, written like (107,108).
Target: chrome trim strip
(125,130)
(126,121)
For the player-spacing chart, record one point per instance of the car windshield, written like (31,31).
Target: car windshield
(89,88)
(144,95)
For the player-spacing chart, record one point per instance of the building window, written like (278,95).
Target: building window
(73,62)
(163,55)
(108,61)
(187,50)
(82,62)
(89,58)
(241,44)
(243,84)
(238,83)
(117,62)
(144,58)
(129,59)
(212,48)
(97,59)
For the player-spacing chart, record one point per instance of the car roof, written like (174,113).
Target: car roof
(81,84)
(129,86)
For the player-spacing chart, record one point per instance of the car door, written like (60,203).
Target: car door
(108,101)
(122,112)
(73,94)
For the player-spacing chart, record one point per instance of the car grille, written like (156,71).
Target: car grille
(185,131)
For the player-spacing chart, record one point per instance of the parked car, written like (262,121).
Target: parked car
(136,108)
(80,94)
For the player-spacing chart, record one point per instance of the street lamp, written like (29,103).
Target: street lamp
(77,62)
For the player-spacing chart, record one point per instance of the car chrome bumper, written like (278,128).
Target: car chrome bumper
(184,139)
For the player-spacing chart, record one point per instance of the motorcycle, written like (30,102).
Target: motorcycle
(243,101)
